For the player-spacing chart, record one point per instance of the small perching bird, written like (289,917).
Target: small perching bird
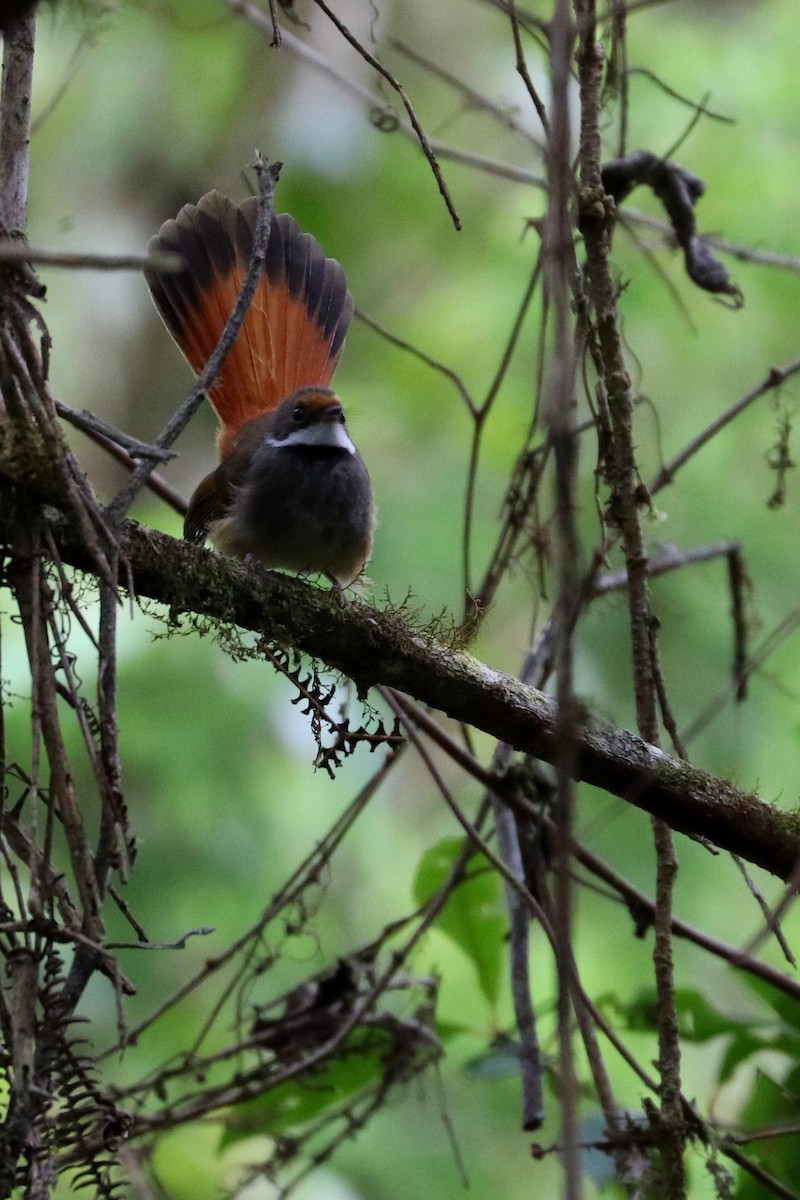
(290,489)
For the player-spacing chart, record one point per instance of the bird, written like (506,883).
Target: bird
(291,490)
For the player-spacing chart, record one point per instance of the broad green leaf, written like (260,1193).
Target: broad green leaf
(472,916)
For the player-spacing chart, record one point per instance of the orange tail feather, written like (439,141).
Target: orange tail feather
(295,327)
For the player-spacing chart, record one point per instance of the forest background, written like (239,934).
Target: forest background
(140,108)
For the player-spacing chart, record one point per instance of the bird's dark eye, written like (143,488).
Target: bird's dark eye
(297,415)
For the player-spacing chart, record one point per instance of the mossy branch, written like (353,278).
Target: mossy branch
(374,647)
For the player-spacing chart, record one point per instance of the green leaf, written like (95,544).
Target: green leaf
(698,1019)
(742,1046)
(786,1007)
(472,917)
(771,1105)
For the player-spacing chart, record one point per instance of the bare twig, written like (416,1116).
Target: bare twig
(473,99)
(114,441)
(474,606)
(433,363)
(670,559)
(642,908)
(622,478)
(558,255)
(401,92)
(700,109)
(268,178)
(524,74)
(776,377)
(13,251)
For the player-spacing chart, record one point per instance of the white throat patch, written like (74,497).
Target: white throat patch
(322,433)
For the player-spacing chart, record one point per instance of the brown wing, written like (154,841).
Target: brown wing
(295,327)
(209,502)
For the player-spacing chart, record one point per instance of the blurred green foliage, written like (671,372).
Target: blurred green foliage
(143,107)
(472,915)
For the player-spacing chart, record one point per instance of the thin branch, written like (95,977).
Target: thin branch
(621,475)
(104,433)
(267,179)
(522,68)
(490,166)
(113,441)
(12,251)
(785,628)
(308,871)
(642,908)
(700,109)
(560,411)
(738,250)
(472,606)
(373,647)
(776,377)
(85,42)
(433,363)
(401,92)
(526,18)
(298,47)
(672,559)
(502,113)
